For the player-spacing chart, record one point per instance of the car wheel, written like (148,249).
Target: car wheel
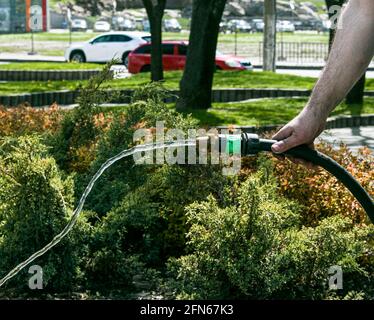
(125,59)
(77,57)
(146,68)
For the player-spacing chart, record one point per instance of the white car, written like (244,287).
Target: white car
(172,25)
(107,46)
(285,26)
(78,25)
(102,26)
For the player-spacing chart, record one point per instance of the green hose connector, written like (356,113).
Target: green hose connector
(233,144)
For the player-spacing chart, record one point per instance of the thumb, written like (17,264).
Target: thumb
(284,145)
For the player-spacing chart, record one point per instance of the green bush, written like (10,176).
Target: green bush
(255,247)
(149,224)
(78,131)
(146,109)
(35,205)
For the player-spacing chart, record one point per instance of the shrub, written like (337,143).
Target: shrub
(256,247)
(35,205)
(147,108)
(73,146)
(320,193)
(26,120)
(146,216)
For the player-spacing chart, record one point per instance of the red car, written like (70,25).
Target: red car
(174,58)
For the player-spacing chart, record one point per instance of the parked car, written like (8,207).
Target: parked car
(108,46)
(258,25)
(78,25)
(127,25)
(285,26)
(239,26)
(172,25)
(223,27)
(174,58)
(146,25)
(102,26)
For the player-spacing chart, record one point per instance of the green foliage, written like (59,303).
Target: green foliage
(146,109)
(35,205)
(149,224)
(224,237)
(255,247)
(321,193)
(78,129)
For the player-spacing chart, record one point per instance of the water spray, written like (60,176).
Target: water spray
(241,144)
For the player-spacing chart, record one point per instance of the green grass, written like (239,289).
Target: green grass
(266,111)
(51,52)
(258,112)
(48,36)
(222,79)
(50,66)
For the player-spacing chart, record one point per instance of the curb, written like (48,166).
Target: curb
(66,97)
(46,75)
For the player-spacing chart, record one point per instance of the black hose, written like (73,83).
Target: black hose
(252,145)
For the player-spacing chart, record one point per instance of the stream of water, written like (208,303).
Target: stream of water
(78,209)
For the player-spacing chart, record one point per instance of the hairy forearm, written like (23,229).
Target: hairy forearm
(351,53)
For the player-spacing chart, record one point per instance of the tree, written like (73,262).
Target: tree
(356,95)
(94,6)
(155,11)
(270,18)
(197,80)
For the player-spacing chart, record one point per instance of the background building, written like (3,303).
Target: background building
(23,15)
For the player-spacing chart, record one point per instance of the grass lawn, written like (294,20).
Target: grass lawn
(50,66)
(259,112)
(222,79)
(266,111)
(48,36)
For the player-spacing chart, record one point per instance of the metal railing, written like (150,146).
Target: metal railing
(287,52)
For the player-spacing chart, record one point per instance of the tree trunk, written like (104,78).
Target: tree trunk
(155,11)
(197,80)
(270,34)
(356,95)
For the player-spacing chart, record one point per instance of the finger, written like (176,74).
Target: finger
(283,133)
(284,145)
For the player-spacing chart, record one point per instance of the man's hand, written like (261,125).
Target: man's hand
(301,130)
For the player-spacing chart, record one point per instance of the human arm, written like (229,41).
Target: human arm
(351,53)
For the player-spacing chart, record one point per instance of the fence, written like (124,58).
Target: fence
(291,52)
(300,52)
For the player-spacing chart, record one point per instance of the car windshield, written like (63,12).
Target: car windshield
(147,38)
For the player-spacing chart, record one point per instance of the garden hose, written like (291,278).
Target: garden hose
(250,144)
